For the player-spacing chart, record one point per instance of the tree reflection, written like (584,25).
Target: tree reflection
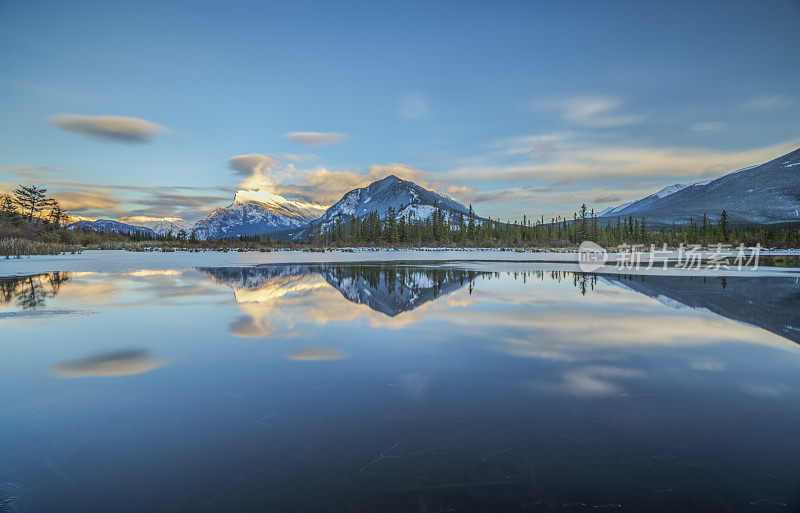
(30,292)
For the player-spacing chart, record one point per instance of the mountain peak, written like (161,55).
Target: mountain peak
(259,196)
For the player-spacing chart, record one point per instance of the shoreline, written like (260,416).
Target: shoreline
(119,261)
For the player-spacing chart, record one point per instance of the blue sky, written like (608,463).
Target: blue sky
(518,107)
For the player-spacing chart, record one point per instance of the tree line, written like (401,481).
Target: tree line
(44,217)
(468,230)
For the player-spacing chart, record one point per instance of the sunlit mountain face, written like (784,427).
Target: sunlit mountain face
(255,212)
(279,204)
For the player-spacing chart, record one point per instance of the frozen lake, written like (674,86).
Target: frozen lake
(221,382)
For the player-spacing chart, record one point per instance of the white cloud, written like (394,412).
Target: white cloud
(324,186)
(591,111)
(707,127)
(258,170)
(316,138)
(413,106)
(250,163)
(767,102)
(538,146)
(111,128)
(585,160)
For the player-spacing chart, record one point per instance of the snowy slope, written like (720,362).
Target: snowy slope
(614,210)
(403,196)
(641,205)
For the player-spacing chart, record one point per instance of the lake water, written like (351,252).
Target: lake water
(398,387)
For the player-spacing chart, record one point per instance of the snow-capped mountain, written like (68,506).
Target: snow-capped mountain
(160,225)
(762,194)
(108,225)
(256,213)
(408,200)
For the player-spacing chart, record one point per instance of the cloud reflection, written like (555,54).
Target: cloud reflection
(316,354)
(125,362)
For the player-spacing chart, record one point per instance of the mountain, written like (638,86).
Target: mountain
(256,213)
(762,194)
(408,200)
(160,225)
(107,225)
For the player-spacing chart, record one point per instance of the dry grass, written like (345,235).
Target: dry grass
(18,247)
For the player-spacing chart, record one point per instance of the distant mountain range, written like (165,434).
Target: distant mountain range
(108,226)
(763,194)
(160,225)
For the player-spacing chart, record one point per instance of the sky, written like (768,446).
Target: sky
(520,108)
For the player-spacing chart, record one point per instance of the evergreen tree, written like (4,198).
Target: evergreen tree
(723,225)
(31,199)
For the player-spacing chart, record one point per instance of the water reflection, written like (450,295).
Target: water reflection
(399,388)
(316,354)
(276,298)
(386,288)
(264,293)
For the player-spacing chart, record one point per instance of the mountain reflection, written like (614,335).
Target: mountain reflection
(770,303)
(388,289)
